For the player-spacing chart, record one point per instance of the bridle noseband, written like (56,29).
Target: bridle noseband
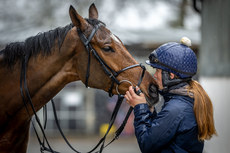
(107,69)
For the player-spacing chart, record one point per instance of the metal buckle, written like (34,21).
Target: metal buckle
(111,75)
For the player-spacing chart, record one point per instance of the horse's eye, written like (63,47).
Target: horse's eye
(108,49)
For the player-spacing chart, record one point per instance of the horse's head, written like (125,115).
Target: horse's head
(112,53)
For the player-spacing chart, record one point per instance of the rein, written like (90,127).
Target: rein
(113,75)
(109,71)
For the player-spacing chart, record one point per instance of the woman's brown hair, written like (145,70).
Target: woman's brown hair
(203,110)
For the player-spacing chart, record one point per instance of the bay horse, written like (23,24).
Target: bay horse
(56,58)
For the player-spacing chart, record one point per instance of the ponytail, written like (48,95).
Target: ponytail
(203,110)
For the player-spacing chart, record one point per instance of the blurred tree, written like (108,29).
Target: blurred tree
(181,6)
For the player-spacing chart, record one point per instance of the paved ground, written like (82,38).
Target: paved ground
(84,144)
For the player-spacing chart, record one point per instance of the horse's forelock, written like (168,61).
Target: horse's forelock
(94,22)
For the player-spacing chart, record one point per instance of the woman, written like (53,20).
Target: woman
(186,119)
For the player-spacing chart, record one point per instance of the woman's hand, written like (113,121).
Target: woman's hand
(133,99)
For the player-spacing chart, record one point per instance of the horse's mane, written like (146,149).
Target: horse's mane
(32,46)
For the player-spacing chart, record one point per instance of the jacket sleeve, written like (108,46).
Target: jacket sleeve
(155,131)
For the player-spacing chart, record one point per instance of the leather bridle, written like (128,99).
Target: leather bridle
(109,71)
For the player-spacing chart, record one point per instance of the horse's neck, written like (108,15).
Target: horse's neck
(46,76)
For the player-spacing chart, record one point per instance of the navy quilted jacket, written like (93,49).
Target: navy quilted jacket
(172,130)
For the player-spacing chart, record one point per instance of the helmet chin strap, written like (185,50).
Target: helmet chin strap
(167,82)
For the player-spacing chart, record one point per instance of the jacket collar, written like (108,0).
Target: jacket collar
(177,90)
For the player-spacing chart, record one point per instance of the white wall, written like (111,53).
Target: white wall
(218,88)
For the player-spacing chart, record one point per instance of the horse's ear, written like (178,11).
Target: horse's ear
(76,19)
(93,14)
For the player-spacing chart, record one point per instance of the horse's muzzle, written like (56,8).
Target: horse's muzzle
(153,95)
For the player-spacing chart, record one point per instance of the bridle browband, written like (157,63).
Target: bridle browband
(109,71)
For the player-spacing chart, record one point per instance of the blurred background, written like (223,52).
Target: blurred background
(142,26)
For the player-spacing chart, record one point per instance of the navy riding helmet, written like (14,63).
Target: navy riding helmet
(176,58)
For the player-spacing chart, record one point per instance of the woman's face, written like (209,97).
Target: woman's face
(158,77)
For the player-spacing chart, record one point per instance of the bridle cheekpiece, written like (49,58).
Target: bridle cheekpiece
(107,69)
